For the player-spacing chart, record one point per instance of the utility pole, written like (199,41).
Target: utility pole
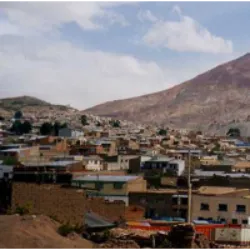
(189,188)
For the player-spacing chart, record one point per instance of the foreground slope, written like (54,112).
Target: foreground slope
(216,97)
(35,232)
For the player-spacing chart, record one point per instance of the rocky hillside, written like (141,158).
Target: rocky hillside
(215,98)
(28,105)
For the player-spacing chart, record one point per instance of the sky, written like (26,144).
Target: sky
(86,53)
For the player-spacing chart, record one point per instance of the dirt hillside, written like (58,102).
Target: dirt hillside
(35,232)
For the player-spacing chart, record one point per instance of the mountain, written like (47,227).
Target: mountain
(210,100)
(28,104)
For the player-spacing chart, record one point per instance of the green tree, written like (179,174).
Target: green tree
(57,126)
(1,118)
(46,128)
(16,128)
(21,128)
(18,115)
(10,161)
(84,120)
(233,132)
(26,127)
(115,124)
(162,132)
(98,124)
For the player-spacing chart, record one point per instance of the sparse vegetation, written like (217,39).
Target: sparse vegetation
(25,209)
(67,228)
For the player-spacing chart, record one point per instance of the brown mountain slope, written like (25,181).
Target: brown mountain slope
(29,105)
(220,94)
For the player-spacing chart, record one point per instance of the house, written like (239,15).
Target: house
(17,154)
(241,167)
(6,171)
(161,202)
(71,133)
(93,163)
(209,160)
(223,204)
(110,187)
(164,165)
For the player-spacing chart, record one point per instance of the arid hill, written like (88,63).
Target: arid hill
(215,98)
(29,105)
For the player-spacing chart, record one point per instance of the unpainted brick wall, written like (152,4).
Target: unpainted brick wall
(64,204)
(113,211)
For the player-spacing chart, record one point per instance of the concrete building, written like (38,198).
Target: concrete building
(110,187)
(225,204)
(93,163)
(163,165)
(161,202)
(71,133)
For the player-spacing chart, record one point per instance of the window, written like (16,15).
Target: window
(241,208)
(222,207)
(118,185)
(99,185)
(222,220)
(244,222)
(174,201)
(200,218)
(184,201)
(234,221)
(204,207)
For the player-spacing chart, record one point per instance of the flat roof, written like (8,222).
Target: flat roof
(14,149)
(50,164)
(216,190)
(106,178)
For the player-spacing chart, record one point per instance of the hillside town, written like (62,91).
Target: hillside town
(128,179)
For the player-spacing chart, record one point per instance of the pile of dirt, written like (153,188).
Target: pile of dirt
(115,243)
(36,232)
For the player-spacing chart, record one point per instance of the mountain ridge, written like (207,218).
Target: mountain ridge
(220,91)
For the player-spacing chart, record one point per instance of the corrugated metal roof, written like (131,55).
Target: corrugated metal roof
(51,164)
(105,178)
(94,220)
(18,150)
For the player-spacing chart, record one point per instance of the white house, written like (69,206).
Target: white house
(93,163)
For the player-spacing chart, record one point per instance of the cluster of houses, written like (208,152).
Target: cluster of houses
(139,166)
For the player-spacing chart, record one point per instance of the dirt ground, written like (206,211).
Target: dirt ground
(35,232)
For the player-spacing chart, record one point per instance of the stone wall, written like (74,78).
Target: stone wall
(64,204)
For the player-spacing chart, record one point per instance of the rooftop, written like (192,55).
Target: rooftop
(93,220)
(14,150)
(214,190)
(106,178)
(50,164)
(242,164)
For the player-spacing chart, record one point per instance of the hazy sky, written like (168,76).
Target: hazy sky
(87,53)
